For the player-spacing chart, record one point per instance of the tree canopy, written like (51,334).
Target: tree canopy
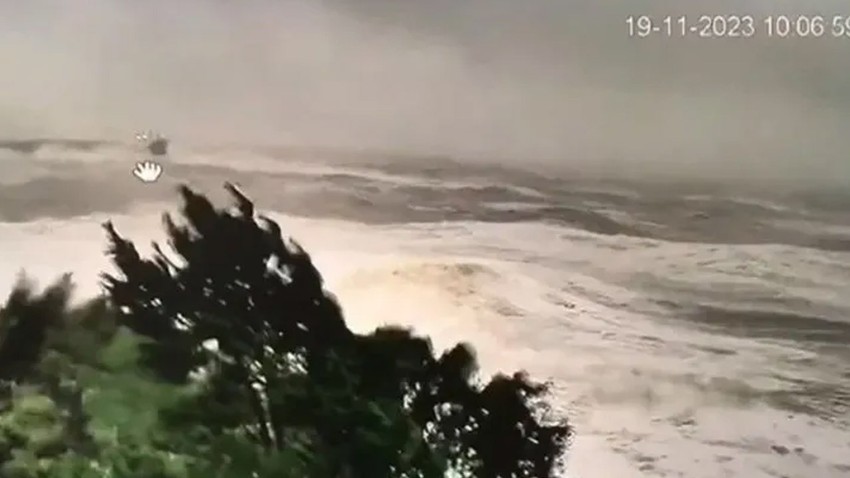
(251,370)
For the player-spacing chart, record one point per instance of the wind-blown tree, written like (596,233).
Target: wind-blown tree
(33,330)
(25,322)
(241,314)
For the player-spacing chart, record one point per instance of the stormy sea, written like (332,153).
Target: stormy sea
(690,330)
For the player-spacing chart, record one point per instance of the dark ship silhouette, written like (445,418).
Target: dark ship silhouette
(156,144)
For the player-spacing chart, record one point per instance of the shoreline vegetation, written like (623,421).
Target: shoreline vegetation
(226,357)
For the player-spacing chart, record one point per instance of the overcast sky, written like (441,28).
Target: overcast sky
(533,80)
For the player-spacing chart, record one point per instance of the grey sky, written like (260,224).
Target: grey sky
(539,80)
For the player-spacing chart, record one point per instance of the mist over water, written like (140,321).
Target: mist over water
(658,225)
(544,83)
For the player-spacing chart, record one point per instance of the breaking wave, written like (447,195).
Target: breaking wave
(658,319)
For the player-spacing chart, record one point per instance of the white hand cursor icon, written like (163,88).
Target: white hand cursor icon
(147,171)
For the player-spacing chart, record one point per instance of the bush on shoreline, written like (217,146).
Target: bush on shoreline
(229,358)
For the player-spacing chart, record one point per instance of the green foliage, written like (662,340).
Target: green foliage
(231,360)
(32,423)
(25,321)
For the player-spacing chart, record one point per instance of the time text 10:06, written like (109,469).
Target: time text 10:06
(739,26)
